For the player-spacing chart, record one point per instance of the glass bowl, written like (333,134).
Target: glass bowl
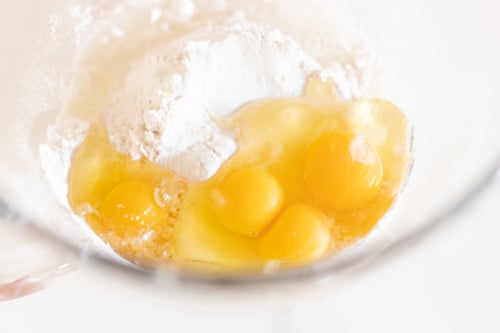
(440,64)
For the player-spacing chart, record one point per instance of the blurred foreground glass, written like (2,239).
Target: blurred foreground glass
(443,71)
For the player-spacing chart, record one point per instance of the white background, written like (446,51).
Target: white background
(449,282)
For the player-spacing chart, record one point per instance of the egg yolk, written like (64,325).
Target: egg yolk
(342,170)
(131,205)
(300,234)
(311,176)
(130,209)
(247,200)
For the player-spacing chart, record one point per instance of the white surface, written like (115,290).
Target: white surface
(450,282)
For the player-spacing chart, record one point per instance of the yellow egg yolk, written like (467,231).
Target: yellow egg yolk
(311,176)
(130,209)
(131,205)
(300,234)
(342,170)
(247,200)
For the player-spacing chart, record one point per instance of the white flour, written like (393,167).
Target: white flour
(171,98)
(167,110)
(207,67)
(56,153)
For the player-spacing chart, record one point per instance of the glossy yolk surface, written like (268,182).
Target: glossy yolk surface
(129,208)
(300,234)
(342,171)
(251,196)
(311,176)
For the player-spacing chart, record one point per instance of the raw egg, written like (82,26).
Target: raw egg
(311,176)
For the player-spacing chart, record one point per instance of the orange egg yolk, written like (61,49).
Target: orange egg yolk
(312,175)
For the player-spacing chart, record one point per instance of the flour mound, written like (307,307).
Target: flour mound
(172,98)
